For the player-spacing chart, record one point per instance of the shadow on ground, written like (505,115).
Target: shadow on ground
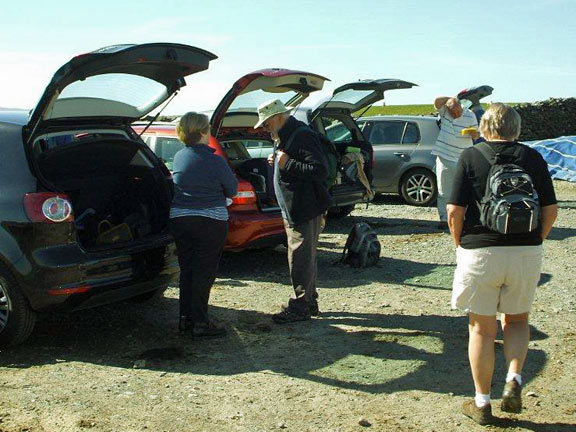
(374,353)
(272,266)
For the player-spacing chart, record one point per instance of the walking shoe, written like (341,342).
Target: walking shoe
(482,416)
(512,397)
(299,303)
(291,314)
(208,330)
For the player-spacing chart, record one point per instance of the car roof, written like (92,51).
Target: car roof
(19,118)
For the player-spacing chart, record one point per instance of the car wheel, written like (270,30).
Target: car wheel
(418,187)
(17,319)
(339,212)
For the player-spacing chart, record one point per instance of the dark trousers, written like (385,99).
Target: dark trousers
(199,242)
(302,247)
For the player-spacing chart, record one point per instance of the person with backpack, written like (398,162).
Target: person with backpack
(502,207)
(300,171)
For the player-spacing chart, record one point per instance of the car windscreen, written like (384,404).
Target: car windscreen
(114,94)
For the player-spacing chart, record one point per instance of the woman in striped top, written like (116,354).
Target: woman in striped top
(199,221)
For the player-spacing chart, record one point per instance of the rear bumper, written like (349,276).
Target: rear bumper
(254,229)
(344,195)
(104,277)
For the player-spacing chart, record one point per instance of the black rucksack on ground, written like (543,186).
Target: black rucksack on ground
(510,203)
(362,247)
(330,153)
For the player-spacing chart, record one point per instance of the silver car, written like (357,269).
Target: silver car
(403,162)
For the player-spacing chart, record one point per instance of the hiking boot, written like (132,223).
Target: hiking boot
(482,416)
(512,397)
(291,314)
(208,330)
(299,303)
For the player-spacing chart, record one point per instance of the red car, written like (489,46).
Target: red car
(255,218)
(252,223)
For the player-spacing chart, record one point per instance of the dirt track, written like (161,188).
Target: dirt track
(387,350)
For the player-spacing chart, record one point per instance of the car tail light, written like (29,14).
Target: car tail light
(246,198)
(72,290)
(48,207)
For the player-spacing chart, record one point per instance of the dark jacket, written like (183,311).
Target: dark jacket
(301,179)
(201,178)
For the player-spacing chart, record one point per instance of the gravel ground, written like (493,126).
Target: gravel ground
(387,353)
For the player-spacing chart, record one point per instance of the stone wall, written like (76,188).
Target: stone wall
(547,119)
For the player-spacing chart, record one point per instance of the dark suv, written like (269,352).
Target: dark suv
(83,201)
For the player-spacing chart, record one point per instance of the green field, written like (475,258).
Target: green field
(425,109)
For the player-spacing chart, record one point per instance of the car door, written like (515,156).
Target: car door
(116,83)
(394,142)
(247,93)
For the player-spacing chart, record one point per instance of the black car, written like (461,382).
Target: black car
(84,202)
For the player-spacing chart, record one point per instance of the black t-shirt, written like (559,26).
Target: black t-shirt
(470,185)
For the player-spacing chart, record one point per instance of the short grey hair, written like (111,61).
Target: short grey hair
(501,121)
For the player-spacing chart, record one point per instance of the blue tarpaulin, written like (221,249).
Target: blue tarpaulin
(559,154)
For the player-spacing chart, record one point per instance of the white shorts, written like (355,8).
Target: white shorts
(496,279)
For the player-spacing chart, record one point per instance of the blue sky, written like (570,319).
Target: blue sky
(524,49)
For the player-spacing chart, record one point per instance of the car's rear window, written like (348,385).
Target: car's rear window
(113,94)
(255,98)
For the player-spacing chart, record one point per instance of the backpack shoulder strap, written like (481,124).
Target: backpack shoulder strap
(293,136)
(485,150)
(349,241)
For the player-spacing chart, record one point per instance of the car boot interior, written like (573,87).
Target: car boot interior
(117,193)
(255,170)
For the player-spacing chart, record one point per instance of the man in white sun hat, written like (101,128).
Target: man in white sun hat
(300,169)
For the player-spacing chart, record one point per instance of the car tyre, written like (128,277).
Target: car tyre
(418,187)
(339,212)
(17,319)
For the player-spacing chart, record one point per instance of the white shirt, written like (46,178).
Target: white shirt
(450,141)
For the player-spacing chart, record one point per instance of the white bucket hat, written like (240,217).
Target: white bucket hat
(269,109)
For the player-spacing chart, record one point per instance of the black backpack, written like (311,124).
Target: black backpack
(362,247)
(330,153)
(510,203)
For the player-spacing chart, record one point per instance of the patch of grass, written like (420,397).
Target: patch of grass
(423,109)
